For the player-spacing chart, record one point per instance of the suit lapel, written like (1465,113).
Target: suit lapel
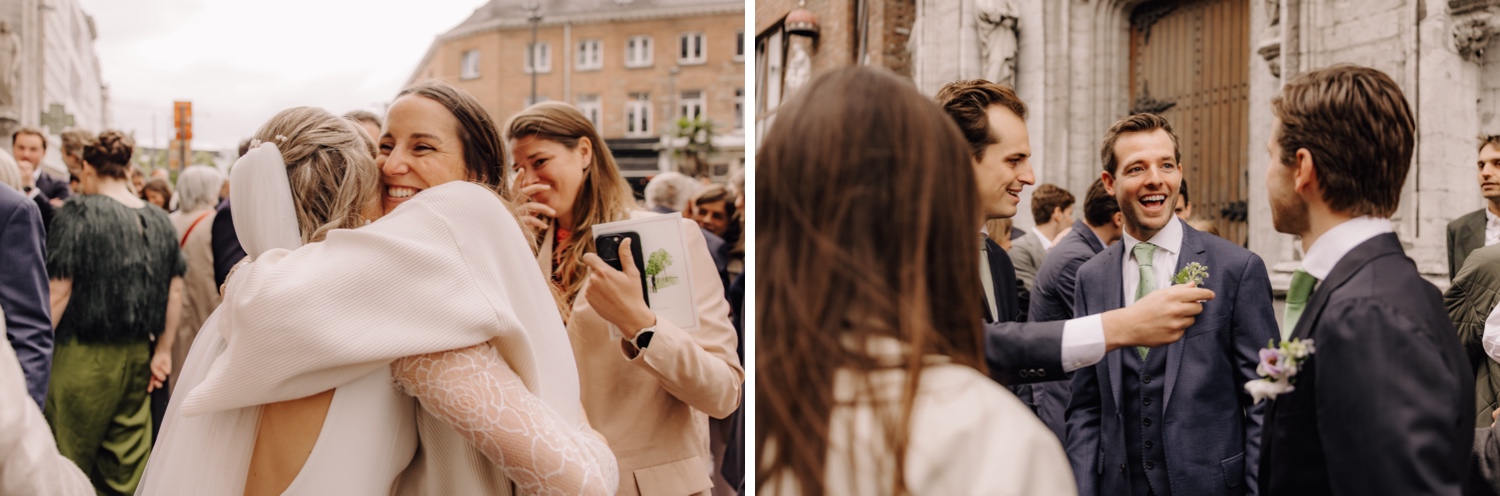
(1114,291)
(1342,271)
(1192,251)
(1004,282)
(1082,231)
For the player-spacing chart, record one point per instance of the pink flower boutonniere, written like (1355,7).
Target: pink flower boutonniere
(1278,366)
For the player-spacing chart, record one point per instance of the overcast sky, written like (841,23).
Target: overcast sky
(240,62)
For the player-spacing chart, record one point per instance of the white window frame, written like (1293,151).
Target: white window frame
(638,51)
(692,48)
(469,65)
(690,101)
(538,58)
(590,55)
(739,46)
(592,107)
(638,115)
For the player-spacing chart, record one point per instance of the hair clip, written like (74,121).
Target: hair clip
(281,139)
(255,143)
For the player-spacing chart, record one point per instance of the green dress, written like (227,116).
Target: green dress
(121,261)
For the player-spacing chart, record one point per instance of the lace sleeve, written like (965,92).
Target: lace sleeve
(476,393)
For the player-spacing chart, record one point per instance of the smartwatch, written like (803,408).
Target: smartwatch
(643,337)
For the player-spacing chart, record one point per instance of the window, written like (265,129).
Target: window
(638,51)
(590,55)
(638,115)
(470,65)
(739,46)
(539,58)
(739,108)
(590,106)
(691,49)
(690,105)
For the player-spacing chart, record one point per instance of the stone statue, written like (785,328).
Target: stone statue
(798,69)
(998,40)
(10,64)
(1273,12)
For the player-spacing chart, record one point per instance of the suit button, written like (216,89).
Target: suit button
(1122,468)
(1148,444)
(1147,401)
(1146,379)
(1025,373)
(1150,465)
(1147,422)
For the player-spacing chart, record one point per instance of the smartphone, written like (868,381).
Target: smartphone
(608,248)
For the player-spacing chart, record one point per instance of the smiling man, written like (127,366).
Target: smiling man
(992,120)
(1172,419)
(1481,227)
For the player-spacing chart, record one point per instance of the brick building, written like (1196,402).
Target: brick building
(56,83)
(633,66)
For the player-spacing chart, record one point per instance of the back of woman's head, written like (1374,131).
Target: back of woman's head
(604,196)
(330,165)
(867,228)
(484,152)
(198,188)
(109,154)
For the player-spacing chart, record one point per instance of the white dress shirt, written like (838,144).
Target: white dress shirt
(1491,227)
(1168,243)
(1082,340)
(1046,241)
(1331,247)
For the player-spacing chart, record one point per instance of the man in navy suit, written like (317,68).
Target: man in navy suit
(1052,297)
(1385,404)
(992,119)
(30,144)
(24,290)
(1175,419)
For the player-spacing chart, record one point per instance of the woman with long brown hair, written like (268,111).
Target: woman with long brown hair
(871,374)
(647,382)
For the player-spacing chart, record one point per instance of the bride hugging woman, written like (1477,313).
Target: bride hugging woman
(419,354)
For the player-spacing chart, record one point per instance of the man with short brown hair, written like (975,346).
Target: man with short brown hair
(1171,419)
(991,118)
(1481,227)
(29,144)
(1384,402)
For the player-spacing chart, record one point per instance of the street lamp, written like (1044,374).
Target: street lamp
(534,7)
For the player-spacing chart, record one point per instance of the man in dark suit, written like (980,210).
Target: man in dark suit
(992,119)
(1481,227)
(29,144)
(24,291)
(1385,404)
(1053,295)
(1172,419)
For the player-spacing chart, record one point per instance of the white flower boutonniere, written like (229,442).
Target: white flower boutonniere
(1194,273)
(1278,366)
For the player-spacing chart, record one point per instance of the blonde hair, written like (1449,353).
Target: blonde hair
(331,166)
(604,196)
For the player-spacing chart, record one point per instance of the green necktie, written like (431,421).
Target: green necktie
(1143,252)
(1296,300)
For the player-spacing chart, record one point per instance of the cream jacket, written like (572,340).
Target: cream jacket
(654,408)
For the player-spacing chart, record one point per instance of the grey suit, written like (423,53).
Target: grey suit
(1028,254)
(1465,234)
(1386,403)
(1206,434)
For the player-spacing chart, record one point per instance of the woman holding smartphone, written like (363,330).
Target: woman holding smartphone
(647,382)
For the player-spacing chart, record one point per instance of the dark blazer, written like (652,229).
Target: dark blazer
(1211,447)
(1052,299)
(44,207)
(54,187)
(1483,477)
(24,292)
(1017,353)
(1465,234)
(225,243)
(1397,416)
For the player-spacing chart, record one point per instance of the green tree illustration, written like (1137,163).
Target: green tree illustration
(657,264)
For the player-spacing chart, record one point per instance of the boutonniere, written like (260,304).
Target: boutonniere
(1195,273)
(1278,367)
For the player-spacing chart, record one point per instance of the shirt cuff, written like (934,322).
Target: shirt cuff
(1082,342)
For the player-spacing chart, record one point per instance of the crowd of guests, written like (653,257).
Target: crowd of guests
(119,293)
(1144,349)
